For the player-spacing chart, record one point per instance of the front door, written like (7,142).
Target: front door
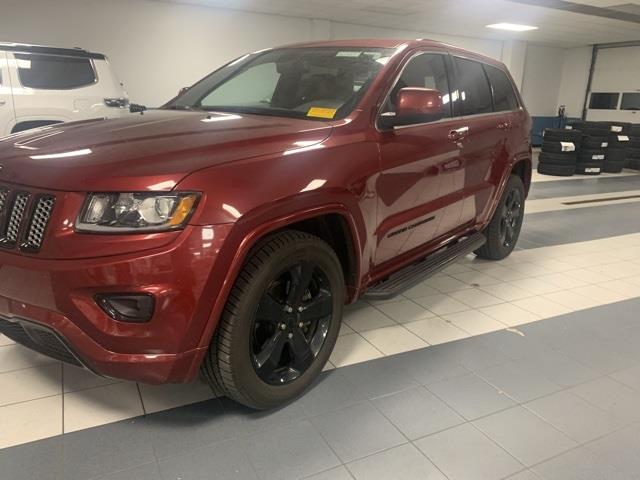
(421,176)
(6,103)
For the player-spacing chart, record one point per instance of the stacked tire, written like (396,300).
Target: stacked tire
(633,150)
(558,155)
(593,148)
(618,140)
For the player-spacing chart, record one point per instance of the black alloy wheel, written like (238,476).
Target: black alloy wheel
(291,323)
(511,220)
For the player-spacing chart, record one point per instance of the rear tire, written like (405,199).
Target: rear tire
(258,356)
(504,229)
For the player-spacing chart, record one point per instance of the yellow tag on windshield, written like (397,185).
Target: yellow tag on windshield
(322,112)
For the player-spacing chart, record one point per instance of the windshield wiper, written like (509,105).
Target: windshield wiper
(183,108)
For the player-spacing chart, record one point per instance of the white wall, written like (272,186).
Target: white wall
(156,48)
(542,79)
(574,79)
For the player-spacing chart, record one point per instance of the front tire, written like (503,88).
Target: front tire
(504,229)
(280,323)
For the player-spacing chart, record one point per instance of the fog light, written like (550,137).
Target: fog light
(127,307)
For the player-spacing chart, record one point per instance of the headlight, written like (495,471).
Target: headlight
(135,212)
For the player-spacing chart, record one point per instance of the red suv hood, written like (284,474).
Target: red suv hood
(153,151)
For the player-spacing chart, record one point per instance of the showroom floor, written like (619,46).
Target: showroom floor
(527,368)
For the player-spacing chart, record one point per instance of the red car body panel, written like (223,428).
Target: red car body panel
(257,174)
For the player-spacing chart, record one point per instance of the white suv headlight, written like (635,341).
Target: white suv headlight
(134,212)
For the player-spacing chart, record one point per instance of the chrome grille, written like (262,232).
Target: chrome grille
(39,219)
(23,218)
(15,218)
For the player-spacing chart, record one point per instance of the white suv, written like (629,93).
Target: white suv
(45,85)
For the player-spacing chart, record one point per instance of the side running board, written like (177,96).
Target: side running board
(415,273)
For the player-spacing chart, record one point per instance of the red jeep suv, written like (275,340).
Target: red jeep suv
(225,231)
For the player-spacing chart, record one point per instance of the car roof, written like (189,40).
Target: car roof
(396,43)
(68,52)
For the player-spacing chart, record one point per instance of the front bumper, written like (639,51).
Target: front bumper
(49,306)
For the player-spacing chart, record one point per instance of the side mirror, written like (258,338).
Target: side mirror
(182,90)
(415,105)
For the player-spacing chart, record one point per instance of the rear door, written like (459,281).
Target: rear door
(6,102)
(421,176)
(484,150)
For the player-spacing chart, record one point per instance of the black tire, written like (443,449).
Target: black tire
(562,135)
(634,142)
(588,155)
(590,168)
(229,364)
(632,153)
(556,170)
(499,246)
(591,142)
(634,130)
(615,155)
(557,158)
(633,163)
(613,167)
(615,142)
(556,147)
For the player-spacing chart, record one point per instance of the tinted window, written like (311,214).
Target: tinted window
(473,95)
(504,98)
(53,72)
(604,101)
(630,101)
(423,71)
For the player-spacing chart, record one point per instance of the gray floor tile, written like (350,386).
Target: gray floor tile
(524,475)
(519,381)
(226,460)
(379,377)
(41,460)
(613,397)
(181,430)
(512,344)
(559,368)
(620,449)
(574,416)
(578,464)
(118,446)
(430,365)
(399,463)
(150,471)
(357,431)
(464,453)
(292,451)
(629,376)
(331,392)
(471,353)
(524,435)
(338,473)
(417,412)
(254,421)
(471,396)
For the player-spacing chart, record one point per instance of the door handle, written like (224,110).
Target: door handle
(458,133)
(504,126)
(2,103)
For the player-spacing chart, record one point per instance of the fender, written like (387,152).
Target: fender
(242,241)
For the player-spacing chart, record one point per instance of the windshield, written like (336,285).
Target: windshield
(320,83)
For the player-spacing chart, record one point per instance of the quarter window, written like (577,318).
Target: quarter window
(473,93)
(426,70)
(54,72)
(504,98)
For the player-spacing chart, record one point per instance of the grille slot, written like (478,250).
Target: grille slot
(24,217)
(15,217)
(39,220)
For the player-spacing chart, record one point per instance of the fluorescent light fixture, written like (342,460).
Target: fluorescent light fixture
(512,27)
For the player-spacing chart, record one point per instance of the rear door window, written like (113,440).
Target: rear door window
(630,101)
(473,93)
(604,101)
(54,72)
(504,98)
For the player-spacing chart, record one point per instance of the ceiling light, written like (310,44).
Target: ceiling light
(512,27)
